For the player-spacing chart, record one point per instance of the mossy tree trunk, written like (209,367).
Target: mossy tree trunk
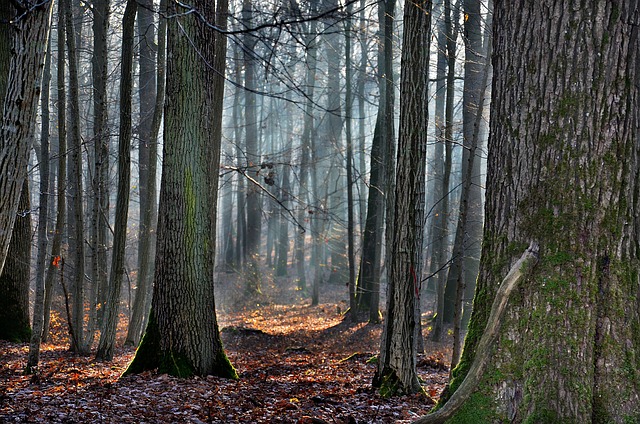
(563,171)
(397,364)
(182,336)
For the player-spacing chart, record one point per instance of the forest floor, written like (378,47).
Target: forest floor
(296,363)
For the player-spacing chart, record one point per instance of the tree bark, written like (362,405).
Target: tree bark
(396,371)
(19,116)
(14,277)
(14,280)
(563,171)
(182,336)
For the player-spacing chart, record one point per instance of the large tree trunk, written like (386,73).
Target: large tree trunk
(396,370)
(182,337)
(19,113)
(563,171)
(14,277)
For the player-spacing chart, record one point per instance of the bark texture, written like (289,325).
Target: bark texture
(19,117)
(563,171)
(182,336)
(396,371)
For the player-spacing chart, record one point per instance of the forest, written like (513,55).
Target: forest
(323,211)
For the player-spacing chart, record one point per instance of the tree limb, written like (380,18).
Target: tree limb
(471,380)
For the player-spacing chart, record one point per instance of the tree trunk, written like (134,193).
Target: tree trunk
(308,133)
(563,171)
(182,336)
(61,191)
(14,280)
(14,277)
(110,322)
(75,190)
(43,221)
(440,247)
(348,110)
(396,371)
(149,213)
(19,117)
(254,213)
(100,205)
(368,289)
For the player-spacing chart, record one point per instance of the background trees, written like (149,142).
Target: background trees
(299,75)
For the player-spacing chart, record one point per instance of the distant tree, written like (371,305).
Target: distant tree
(75,211)
(396,370)
(20,105)
(182,337)
(439,248)
(558,340)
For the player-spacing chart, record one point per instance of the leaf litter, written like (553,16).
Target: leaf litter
(297,364)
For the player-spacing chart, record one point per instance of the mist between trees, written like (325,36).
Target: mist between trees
(154,149)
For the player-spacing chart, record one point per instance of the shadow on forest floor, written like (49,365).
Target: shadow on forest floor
(295,361)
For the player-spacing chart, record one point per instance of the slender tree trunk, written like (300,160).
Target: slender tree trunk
(147,241)
(75,190)
(396,371)
(100,205)
(61,213)
(110,322)
(368,290)
(254,213)
(440,237)
(348,110)
(43,221)
(308,132)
